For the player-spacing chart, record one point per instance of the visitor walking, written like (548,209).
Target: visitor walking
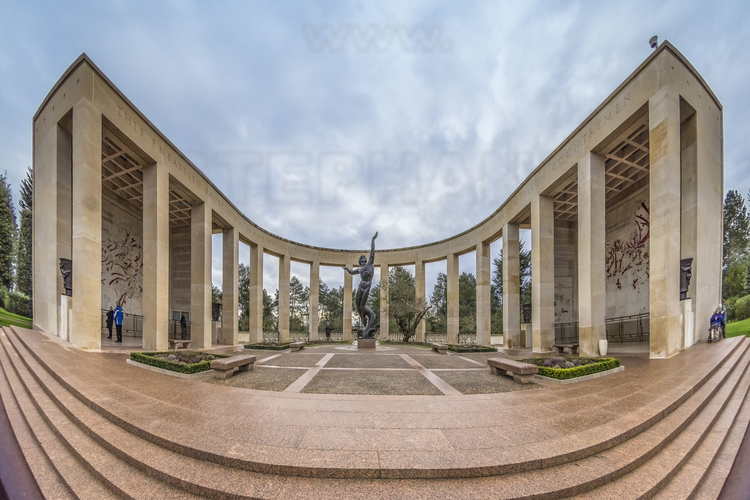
(110,320)
(328,331)
(118,322)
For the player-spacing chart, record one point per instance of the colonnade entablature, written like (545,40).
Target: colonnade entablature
(611,213)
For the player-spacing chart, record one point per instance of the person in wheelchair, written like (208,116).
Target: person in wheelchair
(716,320)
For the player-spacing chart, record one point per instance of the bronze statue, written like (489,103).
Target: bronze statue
(66,269)
(366,271)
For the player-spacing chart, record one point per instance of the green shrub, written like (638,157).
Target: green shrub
(149,358)
(19,303)
(470,348)
(597,365)
(270,347)
(740,308)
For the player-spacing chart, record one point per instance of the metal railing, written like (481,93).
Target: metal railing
(628,328)
(132,325)
(175,331)
(566,333)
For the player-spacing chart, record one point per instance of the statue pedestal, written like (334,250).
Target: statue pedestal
(366,344)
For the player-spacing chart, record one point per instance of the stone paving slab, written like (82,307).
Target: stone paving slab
(370,383)
(157,405)
(262,378)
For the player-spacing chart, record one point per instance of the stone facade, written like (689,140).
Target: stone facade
(653,147)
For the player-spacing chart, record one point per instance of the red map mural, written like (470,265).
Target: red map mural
(628,259)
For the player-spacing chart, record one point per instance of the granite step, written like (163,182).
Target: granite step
(542,482)
(78,482)
(124,479)
(161,472)
(563,450)
(695,441)
(703,475)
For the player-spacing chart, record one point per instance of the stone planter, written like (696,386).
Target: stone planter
(603,344)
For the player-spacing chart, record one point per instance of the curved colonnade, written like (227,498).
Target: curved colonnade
(658,135)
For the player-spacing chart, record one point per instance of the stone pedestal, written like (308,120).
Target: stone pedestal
(366,344)
(66,308)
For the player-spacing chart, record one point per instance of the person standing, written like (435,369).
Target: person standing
(118,322)
(110,320)
(328,331)
(183,326)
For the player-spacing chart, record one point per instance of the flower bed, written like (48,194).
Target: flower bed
(271,347)
(563,368)
(177,361)
(470,348)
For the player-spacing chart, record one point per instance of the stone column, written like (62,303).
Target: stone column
(384,311)
(542,273)
(592,286)
(347,306)
(484,313)
(87,226)
(511,287)
(52,178)
(200,275)
(256,293)
(453,301)
(419,275)
(664,250)
(229,286)
(313,319)
(707,266)
(284,276)
(155,257)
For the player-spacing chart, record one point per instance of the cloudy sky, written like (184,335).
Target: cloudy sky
(326,121)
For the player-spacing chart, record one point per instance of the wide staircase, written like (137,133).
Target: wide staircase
(84,435)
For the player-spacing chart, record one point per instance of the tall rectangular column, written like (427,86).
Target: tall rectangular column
(484,314)
(87,226)
(284,277)
(256,293)
(511,286)
(384,297)
(542,273)
(200,275)
(155,257)
(229,286)
(347,306)
(419,275)
(592,286)
(313,319)
(453,299)
(664,251)
(52,166)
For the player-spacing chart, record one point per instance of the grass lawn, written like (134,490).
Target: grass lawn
(8,319)
(739,328)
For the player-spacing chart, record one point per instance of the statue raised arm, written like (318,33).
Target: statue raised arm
(366,270)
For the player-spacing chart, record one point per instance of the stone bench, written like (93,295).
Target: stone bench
(224,367)
(566,348)
(522,373)
(441,348)
(296,346)
(179,344)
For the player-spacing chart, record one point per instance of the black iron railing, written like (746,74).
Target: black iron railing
(132,325)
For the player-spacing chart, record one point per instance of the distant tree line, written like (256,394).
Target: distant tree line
(736,289)
(16,247)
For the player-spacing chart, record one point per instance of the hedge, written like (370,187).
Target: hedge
(270,347)
(470,348)
(150,359)
(601,365)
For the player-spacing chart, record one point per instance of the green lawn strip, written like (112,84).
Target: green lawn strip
(737,328)
(8,319)
(599,365)
(149,358)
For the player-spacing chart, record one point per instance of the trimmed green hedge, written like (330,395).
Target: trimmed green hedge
(148,358)
(470,348)
(270,347)
(600,365)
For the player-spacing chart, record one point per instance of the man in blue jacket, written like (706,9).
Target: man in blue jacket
(118,322)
